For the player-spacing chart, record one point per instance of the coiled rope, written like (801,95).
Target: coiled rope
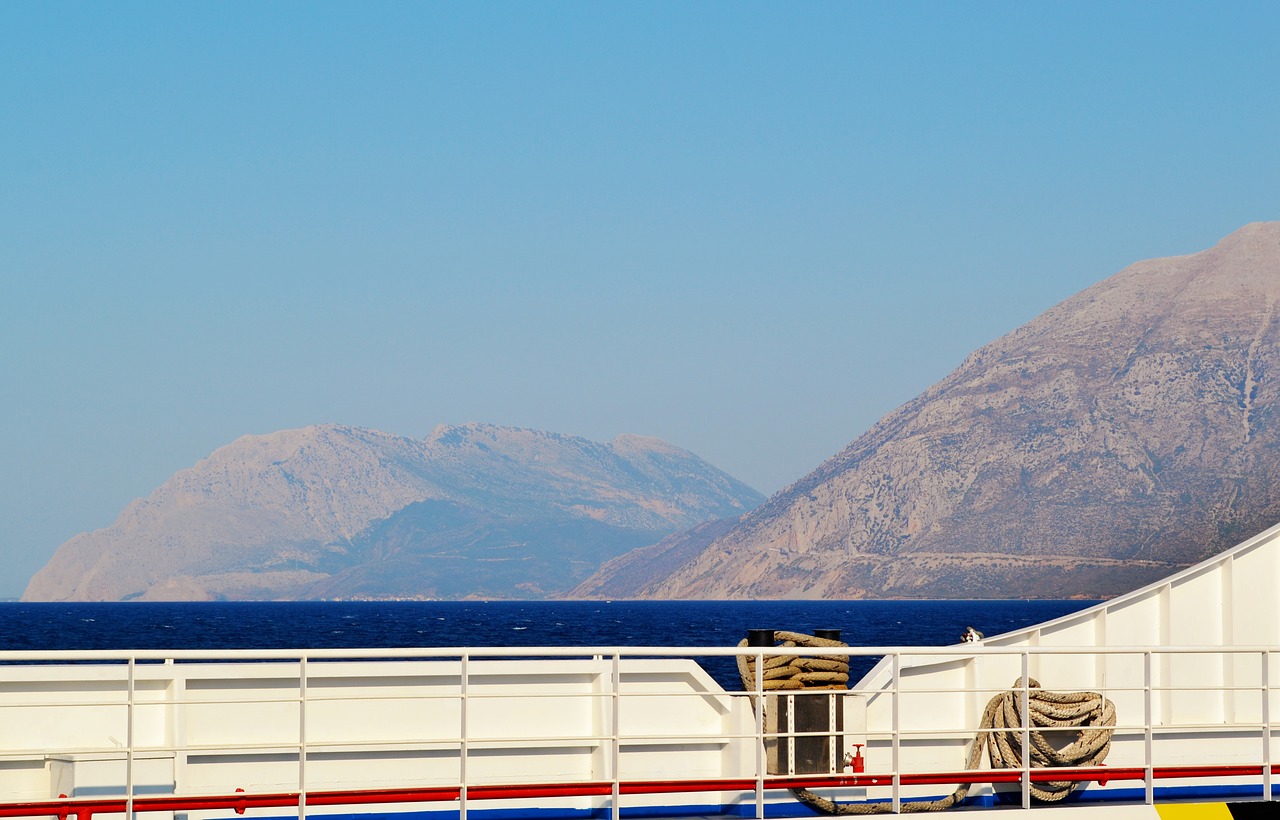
(794,671)
(999,732)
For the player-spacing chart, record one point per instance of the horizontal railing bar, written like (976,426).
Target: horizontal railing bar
(445,742)
(244,800)
(428,695)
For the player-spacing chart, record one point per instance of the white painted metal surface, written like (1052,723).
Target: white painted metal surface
(1189,662)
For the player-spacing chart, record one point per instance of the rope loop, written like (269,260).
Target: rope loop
(1052,714)
(796,672)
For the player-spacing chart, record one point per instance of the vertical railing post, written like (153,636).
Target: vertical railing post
(760,766)
(1024,697)
(1148,775)
(129,740)
(1266,724)
(463,708)
(302,737)
(615,732)
(896,737)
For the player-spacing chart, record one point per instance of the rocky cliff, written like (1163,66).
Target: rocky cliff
(1128,431)
(336,511)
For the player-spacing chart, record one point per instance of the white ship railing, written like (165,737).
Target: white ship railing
(1188,717)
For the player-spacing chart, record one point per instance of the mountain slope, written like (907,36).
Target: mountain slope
(440,549)
(627,575)
(1128,431)
(294,513)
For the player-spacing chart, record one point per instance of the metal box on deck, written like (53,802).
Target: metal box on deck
(801,713)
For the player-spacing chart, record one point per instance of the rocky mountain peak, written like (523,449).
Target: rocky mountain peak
(1126,432)
(296,513)
(1256,238)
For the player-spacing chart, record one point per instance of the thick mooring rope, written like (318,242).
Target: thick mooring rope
(999,731)
(793,671)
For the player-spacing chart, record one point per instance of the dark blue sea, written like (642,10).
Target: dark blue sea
(400,624)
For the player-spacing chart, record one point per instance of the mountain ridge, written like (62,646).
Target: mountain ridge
(1133,422)
(260,516)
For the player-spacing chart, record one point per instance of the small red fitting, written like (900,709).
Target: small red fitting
(857,763)
(241,805)
(64,809)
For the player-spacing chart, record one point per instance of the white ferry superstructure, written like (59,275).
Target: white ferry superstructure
(1191,663)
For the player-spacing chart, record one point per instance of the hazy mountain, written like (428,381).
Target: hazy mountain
(630,574)
(1128,431)
(335,511)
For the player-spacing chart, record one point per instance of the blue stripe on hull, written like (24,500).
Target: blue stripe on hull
(747,809)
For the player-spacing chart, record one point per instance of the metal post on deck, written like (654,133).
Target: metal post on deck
(128,737)
(1266,724)
(897,729)
(1148,775)
(302,737)
(759,638)
(615,677)
(462,737)
(1025,695)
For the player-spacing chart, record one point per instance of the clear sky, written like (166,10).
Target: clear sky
(750,229)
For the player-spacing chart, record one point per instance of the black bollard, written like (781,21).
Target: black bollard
(759,637)
(829,634)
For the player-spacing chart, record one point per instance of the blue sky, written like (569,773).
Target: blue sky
(749,229)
